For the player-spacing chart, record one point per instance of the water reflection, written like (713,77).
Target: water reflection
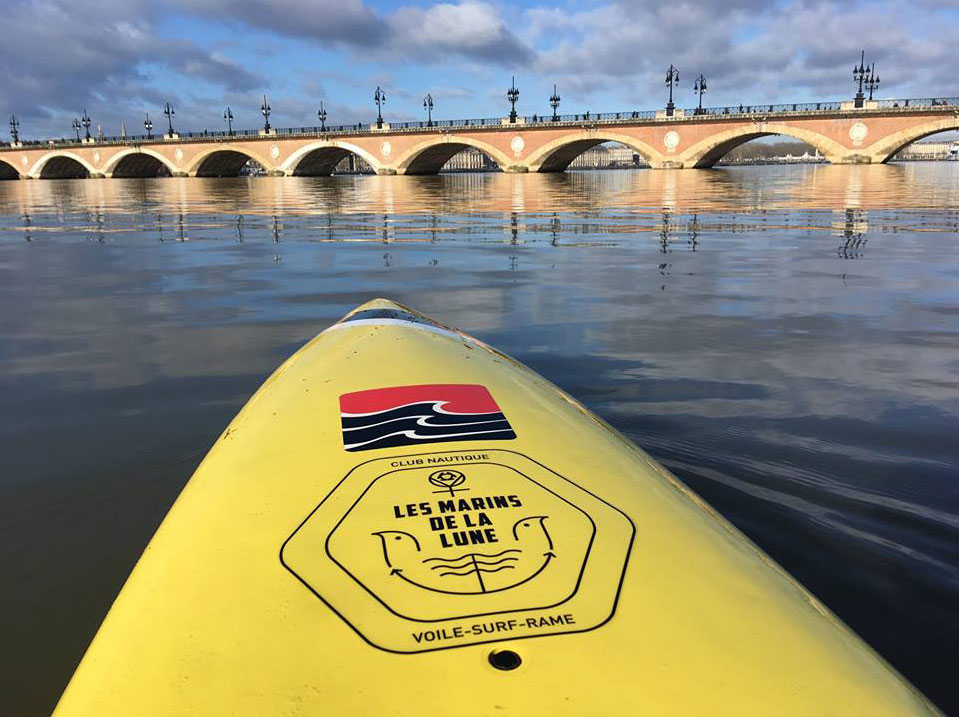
(784,338)
(433,208)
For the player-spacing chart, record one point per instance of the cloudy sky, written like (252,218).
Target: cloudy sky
(122,58)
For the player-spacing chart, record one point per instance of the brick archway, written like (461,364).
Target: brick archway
(320,158)
(8,171)
(887,148)
(228,164)
(429,157)
(137,162)
(707,152)
(557,155)
(57,165)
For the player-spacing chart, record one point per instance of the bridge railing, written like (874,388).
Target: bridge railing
(767,109)
(913,103)
(478,122)
(905,105)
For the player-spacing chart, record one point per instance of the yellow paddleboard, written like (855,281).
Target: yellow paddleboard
(403,521)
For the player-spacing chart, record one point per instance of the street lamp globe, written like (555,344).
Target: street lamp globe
(321,116)
(512,94)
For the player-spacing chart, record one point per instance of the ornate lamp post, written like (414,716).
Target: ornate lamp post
(554,103)
(148,126)
(379,97)
(859,75)
(265,110)
(512,94)
(170,113)
(76,127)
(321,116)
(14,129)
(872,82)
(672,80)
(85,121)
(228,116)
(428,106)
(699,88)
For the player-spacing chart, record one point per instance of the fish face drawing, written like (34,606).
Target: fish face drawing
(476,572)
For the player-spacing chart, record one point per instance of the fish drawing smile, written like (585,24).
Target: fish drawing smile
(473,573)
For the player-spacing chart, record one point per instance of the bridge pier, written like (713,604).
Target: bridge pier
(853,159)
(667,164)
(389,171)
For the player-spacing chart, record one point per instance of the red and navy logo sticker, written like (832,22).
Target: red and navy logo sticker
(411,415)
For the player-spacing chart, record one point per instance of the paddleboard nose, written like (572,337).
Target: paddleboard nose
(379,303)
(378,310)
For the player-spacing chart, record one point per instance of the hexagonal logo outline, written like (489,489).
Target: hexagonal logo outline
(330,577)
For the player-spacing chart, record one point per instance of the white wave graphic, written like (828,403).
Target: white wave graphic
(416,437)
(424,421)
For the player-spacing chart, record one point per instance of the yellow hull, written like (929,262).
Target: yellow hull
(403,521)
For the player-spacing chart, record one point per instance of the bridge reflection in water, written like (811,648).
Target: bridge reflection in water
(428,209)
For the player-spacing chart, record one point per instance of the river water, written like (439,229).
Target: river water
(785,339)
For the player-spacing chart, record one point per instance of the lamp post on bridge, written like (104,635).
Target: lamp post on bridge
(76,127)
(265,110)
(14,129)
(699,88)
(428,106)
(512,94)
(228,116)
(379,97)
(170,113)
(148,126)
(859,75)
(321,116)
(872,82)
(554,103)
(85,121)
(672,79)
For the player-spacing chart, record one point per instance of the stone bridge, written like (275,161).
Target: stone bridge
(842,133)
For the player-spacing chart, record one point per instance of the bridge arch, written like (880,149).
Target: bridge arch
(557,155)
(8,171)
(224,161)
(319,159)
(707,152)
(62,165)
(137,162)
(888,147)
(428,157)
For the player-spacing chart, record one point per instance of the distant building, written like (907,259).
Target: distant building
(470,160)
(608,156)
(918,151)
(352,164)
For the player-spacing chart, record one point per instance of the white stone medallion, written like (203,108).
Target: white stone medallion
(386,149)
(671,140)
(517,145)
(275,152)
(857,133)
(24,160)
(96,157)
(178,154)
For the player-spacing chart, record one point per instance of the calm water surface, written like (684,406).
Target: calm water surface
(784,339)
